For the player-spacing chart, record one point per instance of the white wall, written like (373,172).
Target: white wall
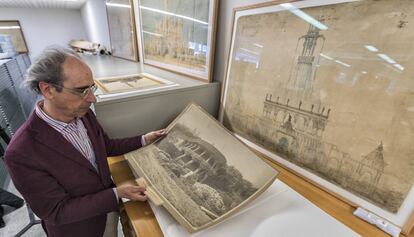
(223,34)
(43,27)
(96,22)
(52,26)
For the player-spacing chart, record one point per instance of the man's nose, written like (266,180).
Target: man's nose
(91,98)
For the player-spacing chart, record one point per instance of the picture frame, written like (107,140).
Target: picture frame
(127,83)
(275,78)
(199,171)
(122,29)
(179,36)
(14,29)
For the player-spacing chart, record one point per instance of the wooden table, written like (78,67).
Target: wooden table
(140,220)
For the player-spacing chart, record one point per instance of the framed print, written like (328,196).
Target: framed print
(122,31)
(127,83)
(13,31)
(178,35)
(325,88)
(201,172)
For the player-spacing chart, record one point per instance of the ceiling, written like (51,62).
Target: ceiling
(68,4)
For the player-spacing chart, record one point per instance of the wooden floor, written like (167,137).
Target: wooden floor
(145,224)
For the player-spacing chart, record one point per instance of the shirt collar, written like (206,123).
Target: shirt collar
(59,125)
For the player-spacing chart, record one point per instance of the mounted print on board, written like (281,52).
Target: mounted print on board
(178,35)
(326,88)
(122,31)
(126,83)
(202,173)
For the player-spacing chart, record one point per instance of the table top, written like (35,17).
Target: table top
(145,223)
(140,213)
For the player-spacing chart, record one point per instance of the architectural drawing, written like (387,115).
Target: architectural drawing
(126,83)
(335,109)
(121,25)
(203,173)
(172,47)
(177,35)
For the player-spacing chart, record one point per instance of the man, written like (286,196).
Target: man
(57,159)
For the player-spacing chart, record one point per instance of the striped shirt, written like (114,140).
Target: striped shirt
(74,132)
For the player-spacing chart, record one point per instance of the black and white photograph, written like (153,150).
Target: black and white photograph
(202,173)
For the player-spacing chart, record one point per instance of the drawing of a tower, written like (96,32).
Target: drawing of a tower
(302,75)
(298,116)
(371,168)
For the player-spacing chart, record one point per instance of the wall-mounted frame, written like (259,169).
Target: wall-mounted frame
(325,89)
(122,30)
(179,35)
(14,29)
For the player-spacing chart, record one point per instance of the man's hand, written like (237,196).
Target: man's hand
(132,192)
(152,136)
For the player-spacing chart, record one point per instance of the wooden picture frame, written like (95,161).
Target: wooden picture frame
(14,29)
(126,83)
(179,36)
(293,79)
(199,171)
(122,29)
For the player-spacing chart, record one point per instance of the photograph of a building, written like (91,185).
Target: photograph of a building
(202,172)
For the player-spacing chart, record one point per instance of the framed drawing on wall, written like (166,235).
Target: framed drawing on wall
(325,88)
(178,35)
(122,30)
(201,173)
(13,31)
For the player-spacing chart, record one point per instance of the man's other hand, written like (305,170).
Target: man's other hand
(132,192)
(152,136)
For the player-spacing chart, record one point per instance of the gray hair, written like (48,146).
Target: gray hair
(48,68)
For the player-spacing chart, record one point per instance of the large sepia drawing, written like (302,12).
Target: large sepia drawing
(121,23)
(329,89)
(202,173)
(178,35)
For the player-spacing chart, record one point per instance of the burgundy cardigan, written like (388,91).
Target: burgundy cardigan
(59,183)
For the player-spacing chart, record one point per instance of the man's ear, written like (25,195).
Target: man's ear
(47,90)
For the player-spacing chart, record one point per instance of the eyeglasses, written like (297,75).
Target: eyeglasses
(84,92)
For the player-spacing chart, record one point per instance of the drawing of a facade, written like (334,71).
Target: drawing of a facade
(292,124)
(172,43)
(300,127)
